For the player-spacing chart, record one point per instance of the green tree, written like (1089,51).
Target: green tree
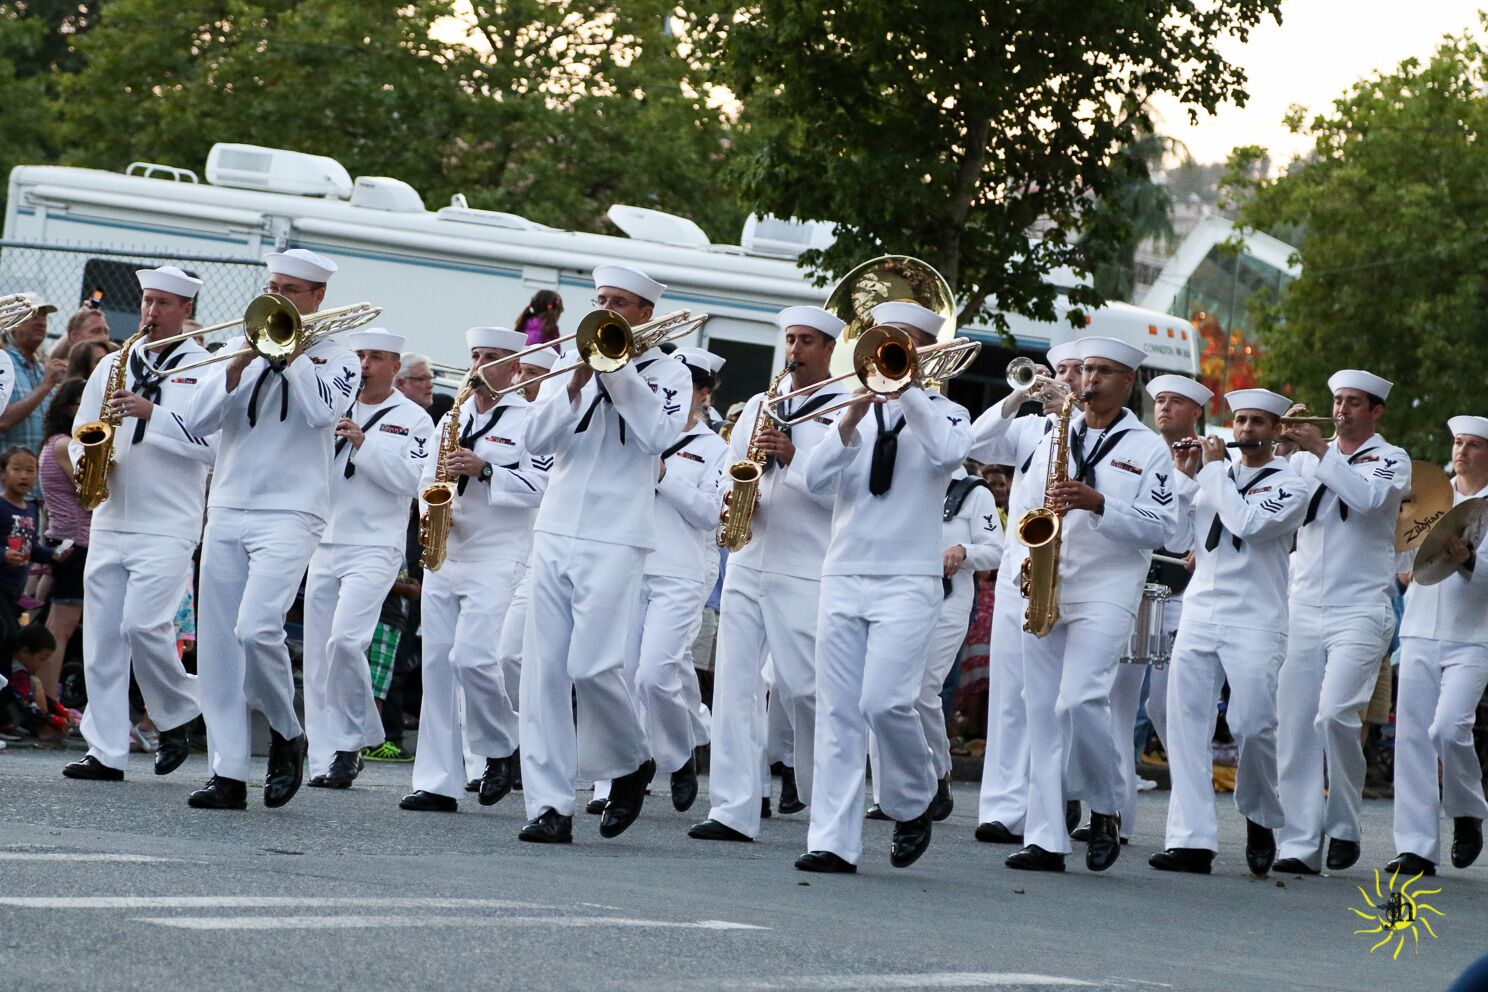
(1135,209)
(1390,212)
(953,131)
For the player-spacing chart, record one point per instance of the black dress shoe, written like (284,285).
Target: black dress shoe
(1342,854)
(286,769)
(790,796)
(595,807)
(944,803)
(685,786)
(1080,834)
(1410,865)
(175,747)
(1071,815)
(220,793)
(91,769)
(516,763)
(1035,858)
(1467,840)
(765,808)
(627,793)
(1193,860)
(713,830)
(994,832)
(318,782)
(1104,846)
(550,827)
(473,785)
(345,767)
(428,802)
(1260,848)
(825,861)
(875,812)
(1293,866)
(496,782)
(911,838)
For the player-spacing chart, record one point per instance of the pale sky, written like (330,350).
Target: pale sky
(1317,52)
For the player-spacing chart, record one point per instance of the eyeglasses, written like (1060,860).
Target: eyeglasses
(610,302)
(290,290)
(1101,370)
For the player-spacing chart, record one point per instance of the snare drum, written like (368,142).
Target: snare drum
(1149,638)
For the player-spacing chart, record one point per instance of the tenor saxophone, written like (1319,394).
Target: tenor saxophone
(439,496)
(90,475)
(740,502)
(1040,530)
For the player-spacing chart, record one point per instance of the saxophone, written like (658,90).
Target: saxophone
(439,496)
(740,502)
(1040,531)
(90,475)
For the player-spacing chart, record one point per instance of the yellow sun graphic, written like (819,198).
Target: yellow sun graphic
(1396,913)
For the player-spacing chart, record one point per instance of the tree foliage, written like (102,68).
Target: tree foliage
(1391,215)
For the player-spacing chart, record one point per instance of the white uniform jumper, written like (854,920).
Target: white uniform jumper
(268,505)
(351,573)
(1443,670)
(1243,520)
(879,599)
(594,529)
(1341,620)
(767,616)
(139,555)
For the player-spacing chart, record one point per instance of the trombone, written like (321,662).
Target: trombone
(274,330)
(606,342)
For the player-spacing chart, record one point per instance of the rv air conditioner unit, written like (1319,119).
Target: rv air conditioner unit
(769,235)
(644,224)
(386,193)
(275,170)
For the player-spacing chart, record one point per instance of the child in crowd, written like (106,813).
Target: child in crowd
(23,545)
(33,645)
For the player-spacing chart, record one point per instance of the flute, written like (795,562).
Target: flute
(1246,445)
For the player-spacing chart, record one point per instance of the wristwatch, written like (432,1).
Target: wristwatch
(486,472)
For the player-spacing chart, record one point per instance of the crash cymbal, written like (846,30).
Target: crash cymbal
(1467,520)
(1429,499)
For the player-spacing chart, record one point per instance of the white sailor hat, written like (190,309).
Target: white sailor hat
(1363,381)
(630,280)
(37,305)
(1063,353)
(813,317)
(300,263)
(1112,349)
(169,279)
(911,314)
(1258,399)
(697,358)
(495,337)
(1183,386)
(544,359)
(1476,426)
(376,339)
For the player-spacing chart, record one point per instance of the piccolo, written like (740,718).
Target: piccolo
(1247,445)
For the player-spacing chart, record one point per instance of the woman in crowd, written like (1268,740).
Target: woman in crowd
(67,521)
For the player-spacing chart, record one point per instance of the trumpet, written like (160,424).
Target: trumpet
(274,330)
(1023,374)
(606,342)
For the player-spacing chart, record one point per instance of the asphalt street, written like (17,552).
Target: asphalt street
(121,886)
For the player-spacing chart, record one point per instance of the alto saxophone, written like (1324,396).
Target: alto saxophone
(439,496)
(1040,530)
(740,502)
(90,475)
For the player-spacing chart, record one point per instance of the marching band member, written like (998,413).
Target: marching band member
(1116,505)
(267,507)
(593,532)
(143,538)
(1242,521)
(1341,620)
(768,609)
(879,598)
(1443,671)
(1000,437)
(382,445)
(465,601)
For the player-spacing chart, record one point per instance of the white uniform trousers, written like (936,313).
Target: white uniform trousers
(251,567)
(692,689)
(1205,656)
(1440,685)
(669,606)
(579,621)
(1126,699)
(344,593)
(1067,678)
(763,616)
(1157,684)
(870,660)
(133,584)
(509,649)
(780,738)
(1004,796)
(1333,658)
(464,604)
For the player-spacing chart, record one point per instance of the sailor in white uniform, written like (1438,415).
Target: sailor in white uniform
(143,538)
(594,529)
(268,505)
(768,610)
(497,491)
(1241,523)
(1443,671)
(1341,620)
(887,464)
(382,446)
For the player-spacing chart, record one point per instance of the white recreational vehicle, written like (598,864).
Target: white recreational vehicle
(72,232)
